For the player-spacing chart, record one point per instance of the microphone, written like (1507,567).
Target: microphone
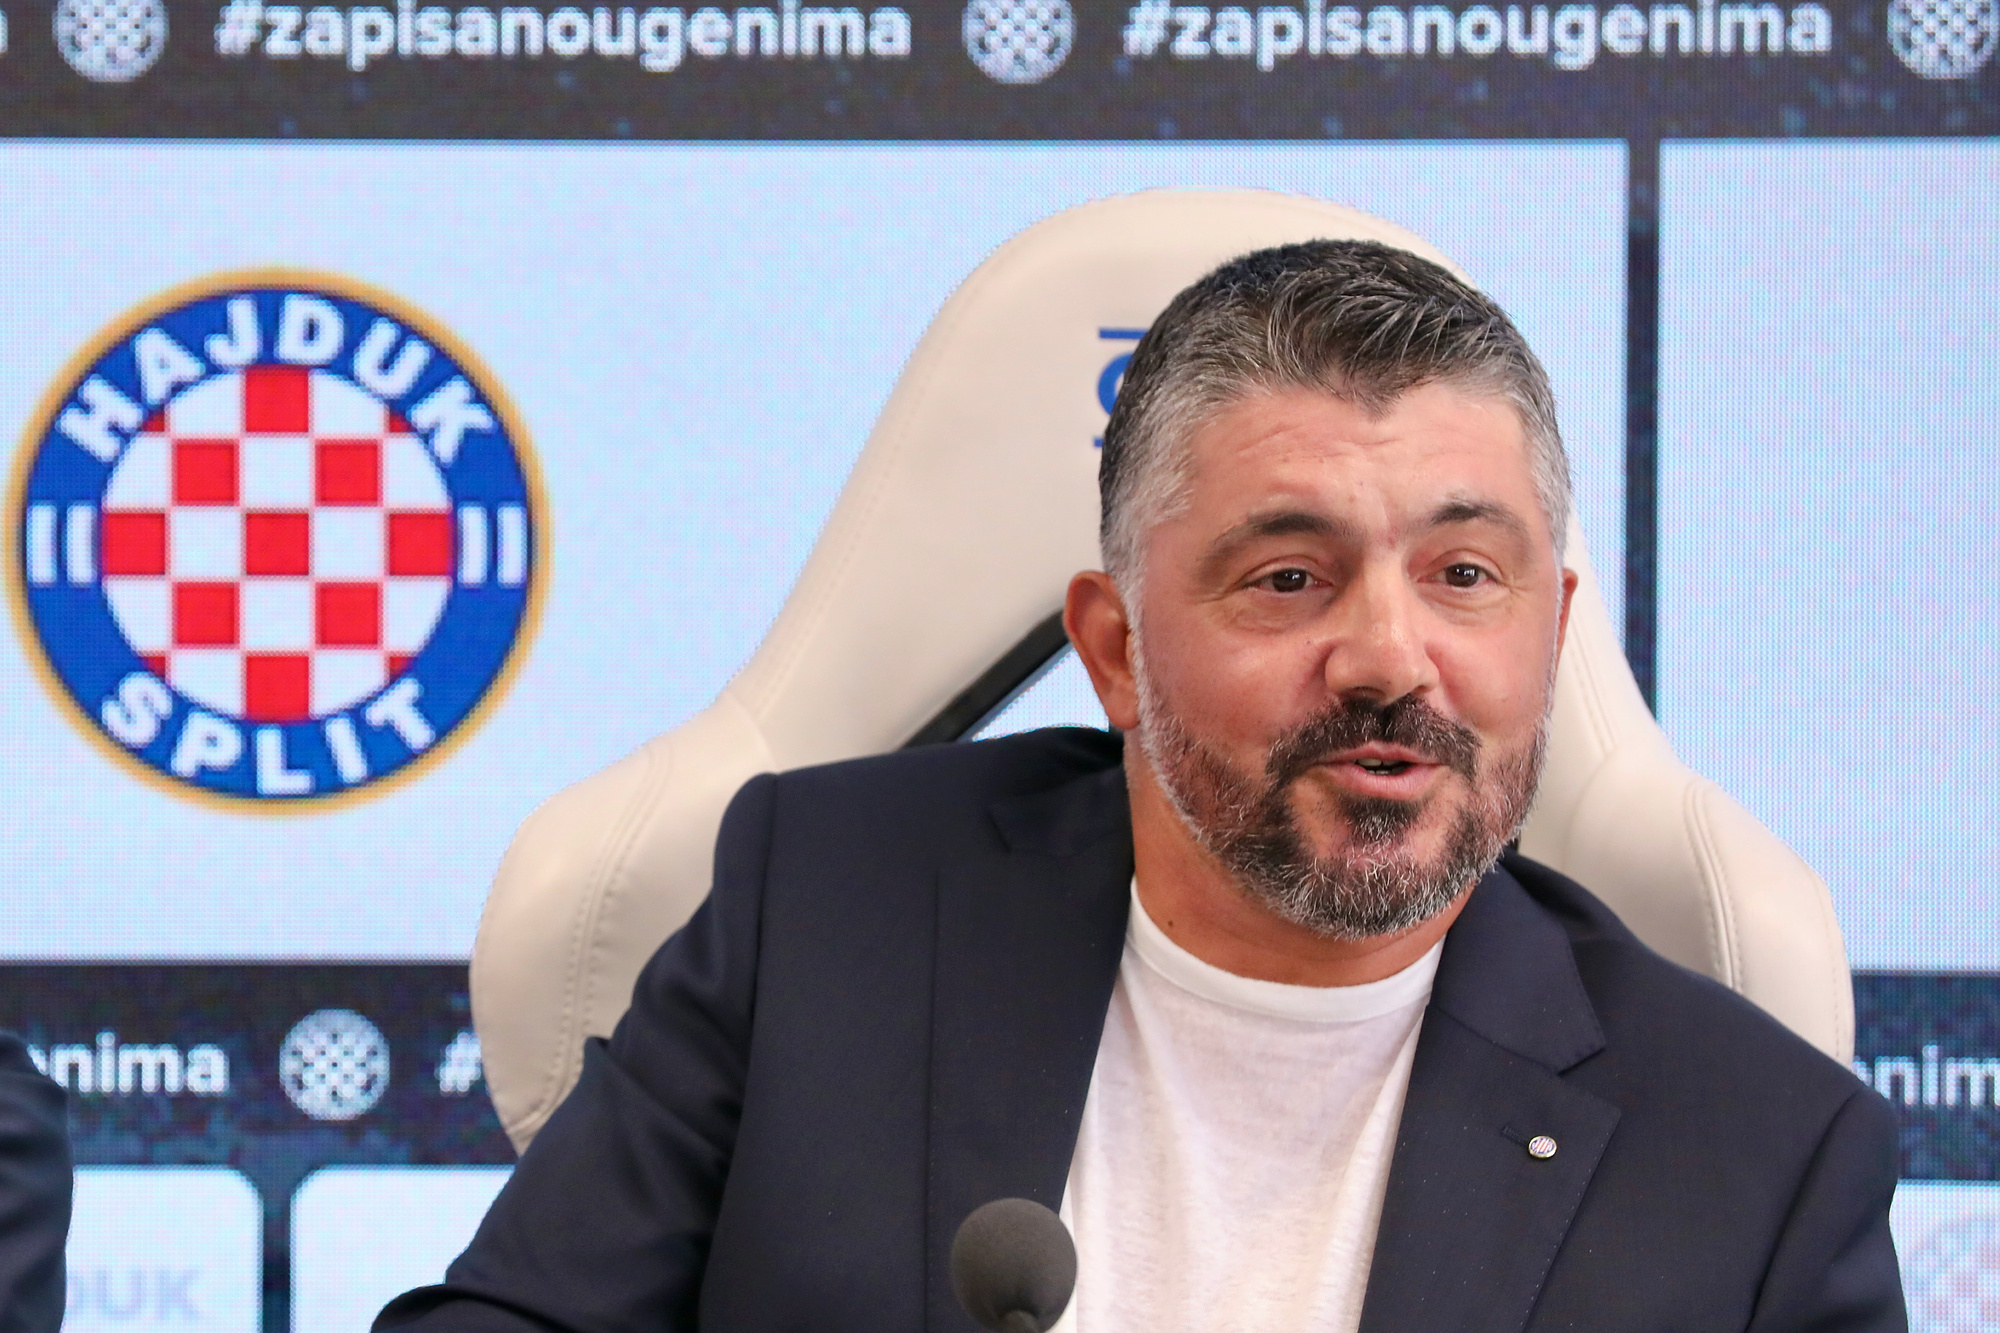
(1013,1266)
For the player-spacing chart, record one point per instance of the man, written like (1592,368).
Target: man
(34,1194)
(1246,995)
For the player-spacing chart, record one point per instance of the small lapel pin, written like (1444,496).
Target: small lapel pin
(1541,1147)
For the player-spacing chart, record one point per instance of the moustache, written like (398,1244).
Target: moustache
(1409,722)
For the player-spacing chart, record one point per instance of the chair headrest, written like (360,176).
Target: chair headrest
(976,497)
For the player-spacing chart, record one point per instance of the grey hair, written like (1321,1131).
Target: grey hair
(1363,321)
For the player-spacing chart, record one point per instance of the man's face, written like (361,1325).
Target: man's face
(1345,648)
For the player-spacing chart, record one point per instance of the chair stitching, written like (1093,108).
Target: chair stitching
(579,978)
(1591,682)
(1709,862)
(1836,964)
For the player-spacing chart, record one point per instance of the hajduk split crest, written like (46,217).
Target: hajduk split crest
(278,539)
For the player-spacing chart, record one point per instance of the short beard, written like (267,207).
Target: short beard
(1372,885)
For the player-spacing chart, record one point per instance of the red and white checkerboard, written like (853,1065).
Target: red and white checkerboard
(276,544)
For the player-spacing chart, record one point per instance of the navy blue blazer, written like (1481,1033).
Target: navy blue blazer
(35,1180)
(888,1010)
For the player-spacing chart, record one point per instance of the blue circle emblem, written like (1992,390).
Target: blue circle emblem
(277,539)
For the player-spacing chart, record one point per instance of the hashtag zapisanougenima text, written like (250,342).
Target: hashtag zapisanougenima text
(1571,37)
(658,39)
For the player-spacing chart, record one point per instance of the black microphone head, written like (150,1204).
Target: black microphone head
(1013,1266)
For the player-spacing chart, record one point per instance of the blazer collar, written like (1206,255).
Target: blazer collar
(1067,819)
(1028,947)
(1508,974)
(1473,1218)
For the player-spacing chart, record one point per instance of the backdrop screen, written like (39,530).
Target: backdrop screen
(415,408)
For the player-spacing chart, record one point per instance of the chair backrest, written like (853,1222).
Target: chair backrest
(972,505)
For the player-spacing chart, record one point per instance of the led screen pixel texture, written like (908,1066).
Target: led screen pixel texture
(697,340)
(1829,332)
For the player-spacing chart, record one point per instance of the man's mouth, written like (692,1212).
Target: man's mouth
(1393,772)
(1377,757)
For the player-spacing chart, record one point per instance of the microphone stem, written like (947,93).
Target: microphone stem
(1020,1321)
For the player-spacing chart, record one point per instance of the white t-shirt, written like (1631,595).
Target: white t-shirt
(1235,1145)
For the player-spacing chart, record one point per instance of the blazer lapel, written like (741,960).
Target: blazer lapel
(1028,946)
(1473,1218)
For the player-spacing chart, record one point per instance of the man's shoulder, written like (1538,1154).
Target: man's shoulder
(961,773)
(1026,761)
(1665,1024)
(953,797)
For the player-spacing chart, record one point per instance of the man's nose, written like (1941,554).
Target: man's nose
(1378,646)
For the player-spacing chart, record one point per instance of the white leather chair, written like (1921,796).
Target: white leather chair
(932,591)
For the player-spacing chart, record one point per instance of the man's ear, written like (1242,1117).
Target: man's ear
(1099,629)
(1569,581)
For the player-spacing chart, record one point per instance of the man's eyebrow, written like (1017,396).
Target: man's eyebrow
(1271,523)
(1466,510)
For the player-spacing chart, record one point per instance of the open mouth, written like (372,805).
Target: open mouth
(1378,769)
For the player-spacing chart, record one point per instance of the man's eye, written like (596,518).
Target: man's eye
(1289,580)
(1464,576)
